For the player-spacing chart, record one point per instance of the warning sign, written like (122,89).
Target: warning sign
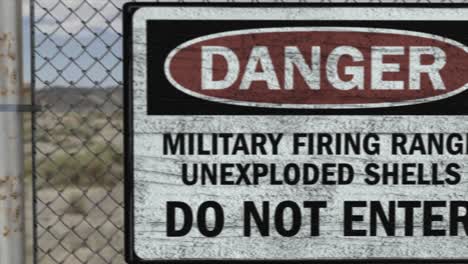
(296,132)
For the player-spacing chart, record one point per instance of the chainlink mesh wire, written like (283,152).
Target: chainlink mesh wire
(77,77)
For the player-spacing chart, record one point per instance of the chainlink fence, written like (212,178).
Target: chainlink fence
(77,77)
(77,134)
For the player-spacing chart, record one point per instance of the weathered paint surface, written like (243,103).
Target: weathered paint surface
(11,159)
(184,64)
(157,178)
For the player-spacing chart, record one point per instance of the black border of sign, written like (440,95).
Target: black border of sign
(130,255)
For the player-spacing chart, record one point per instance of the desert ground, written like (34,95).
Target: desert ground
(78,176)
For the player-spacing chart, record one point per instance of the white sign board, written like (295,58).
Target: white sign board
(296,132)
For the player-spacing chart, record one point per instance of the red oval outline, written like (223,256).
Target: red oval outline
(172,54)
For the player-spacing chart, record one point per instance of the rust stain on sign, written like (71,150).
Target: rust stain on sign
(7,46)
(8,65)
(6,231)
(11,145)
(11,204)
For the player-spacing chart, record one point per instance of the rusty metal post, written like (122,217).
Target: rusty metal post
(11,141)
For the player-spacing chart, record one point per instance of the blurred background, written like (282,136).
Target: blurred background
(73,60)
(75,67)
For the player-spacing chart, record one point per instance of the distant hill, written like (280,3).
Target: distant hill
(61,99)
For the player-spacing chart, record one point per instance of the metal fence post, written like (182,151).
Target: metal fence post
(11,147)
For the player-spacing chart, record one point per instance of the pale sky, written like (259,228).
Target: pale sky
(83,23)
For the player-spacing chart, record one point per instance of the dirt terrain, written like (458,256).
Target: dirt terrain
(78,176)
